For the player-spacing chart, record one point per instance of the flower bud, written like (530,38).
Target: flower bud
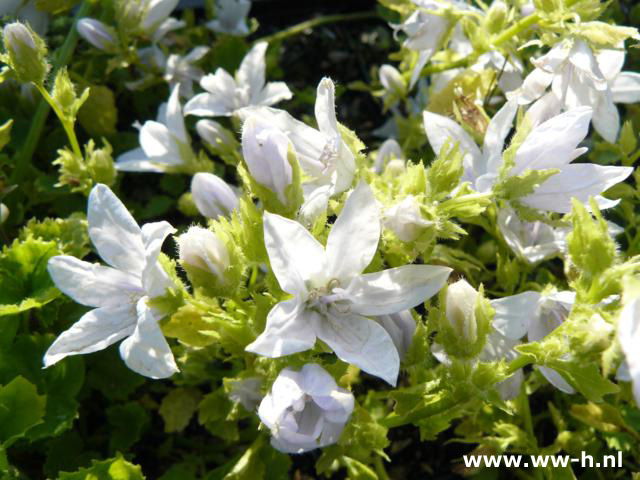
(496,17)
(100,163)
(466,321)
(98,34)
(203,256)
(26,53)
(405,220)
(212,196)
(4,213)
(219,140)
(266,153)
(305,409)
(392,80)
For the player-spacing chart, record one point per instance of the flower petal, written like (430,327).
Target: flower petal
(154,279)
(325,108)
(498,129)
(137,161)
(552,143)
(295,256)
(95,331)
(114,232)
(606,120)
(272,93)
(353,239)
(395,289)
(146,351)
(556,380)
(290,329)
(174,117)
(156,141)
(513,314)
(91,284)
(626,88)
(575,181)
(629,338)
(362,342)
(252,69)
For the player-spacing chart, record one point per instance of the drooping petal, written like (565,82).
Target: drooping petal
(354,236)
(514,313)
(114,232)
(362,342)
(146,351)
(626,88)
(610,62)
(294,254)
(91,284)
(154,279)
(251,72)
(95,331)
(575,181)
(289,329)
(395,289)
(552,143)
(325,108)
(606,119)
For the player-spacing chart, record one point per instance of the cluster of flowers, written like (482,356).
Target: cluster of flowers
(365,319)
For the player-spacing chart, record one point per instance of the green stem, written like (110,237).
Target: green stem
(23,158)
(316,22)
(380,470)
(66,124)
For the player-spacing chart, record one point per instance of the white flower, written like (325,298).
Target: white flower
(266,150)
(393,83)
(164,143)
(225,95)
(118,292)
(213,196)
(550,145)
(181,70)
(389,154)
(200,248)
(246,392)
(331,297)
(155,19)
(405,220)
(305,409)
(579,78)
(323,155)
(97,34)
(535,315)
(231,17)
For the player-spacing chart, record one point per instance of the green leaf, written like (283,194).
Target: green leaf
(26,282)
(20,408)
(112,469)
(178,407)
(127,423)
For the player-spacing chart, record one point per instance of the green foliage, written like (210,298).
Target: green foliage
(113,469)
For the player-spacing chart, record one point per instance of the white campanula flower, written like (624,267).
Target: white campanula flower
(266,153)
(213,196)
(305,409)
(535,315)
(405,219)
(389,154)
(401,327)
(332,299)
(181,69)
(119,292)
(324,156)
(200,248)
(156,21)
(231,17)
(629,339)
(578,77)
(225,95)
(164,143)
(101,36)
(550,145)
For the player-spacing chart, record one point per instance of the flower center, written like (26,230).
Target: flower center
(329,300)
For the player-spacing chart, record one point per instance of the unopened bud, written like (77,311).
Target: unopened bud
(389,152)
(25,53)
(266,153)
(461,302)
(4,213)
(212,196)
(98,34)
(496,17)
(219,140)
(203,256)
(392,80)
(100,163)
(405,219)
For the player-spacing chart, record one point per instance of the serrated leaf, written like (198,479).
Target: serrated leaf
(112,469)
(20,408)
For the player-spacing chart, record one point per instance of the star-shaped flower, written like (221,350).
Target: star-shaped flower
(332,299)
(119,292)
